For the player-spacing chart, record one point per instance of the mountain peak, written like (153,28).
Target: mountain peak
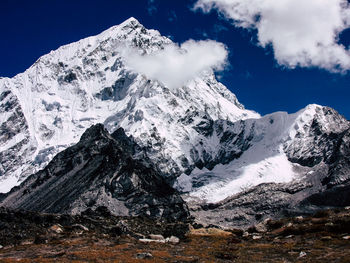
(93,132)
(130,26)
(130,21)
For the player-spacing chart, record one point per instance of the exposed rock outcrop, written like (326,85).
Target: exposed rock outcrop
(101,170)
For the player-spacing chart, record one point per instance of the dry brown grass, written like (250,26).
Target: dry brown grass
(197,248)
(209,232)
(201,245)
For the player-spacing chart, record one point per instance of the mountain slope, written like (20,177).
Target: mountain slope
(87,82)
(297,167)
(102,169)
(278,147)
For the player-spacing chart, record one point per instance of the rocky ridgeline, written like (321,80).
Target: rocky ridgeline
(103,169)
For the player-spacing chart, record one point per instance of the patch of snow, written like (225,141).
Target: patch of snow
(234,179)
(8,183)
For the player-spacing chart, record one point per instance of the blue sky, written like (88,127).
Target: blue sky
(30,29)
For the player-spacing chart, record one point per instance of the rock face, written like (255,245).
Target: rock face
(101,170)
(15,139)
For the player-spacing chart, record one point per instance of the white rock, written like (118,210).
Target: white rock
(174,240)
(156,237)
(147,240)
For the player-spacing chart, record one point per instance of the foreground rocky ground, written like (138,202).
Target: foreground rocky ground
(98,236)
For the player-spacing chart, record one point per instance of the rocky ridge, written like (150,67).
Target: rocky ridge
(102,169)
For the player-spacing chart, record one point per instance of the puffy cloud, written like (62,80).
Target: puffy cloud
(174,65)
(301,32)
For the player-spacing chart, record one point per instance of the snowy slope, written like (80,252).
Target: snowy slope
(264,161)
(282,148)
(87,82)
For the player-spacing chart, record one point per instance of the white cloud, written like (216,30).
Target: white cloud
(174,65)
(302,32)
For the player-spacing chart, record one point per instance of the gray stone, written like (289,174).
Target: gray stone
(144,255)
(261,227)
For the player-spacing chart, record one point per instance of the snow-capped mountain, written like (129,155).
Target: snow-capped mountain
(277,148)
(293,164)
(201,138)
(48,107)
